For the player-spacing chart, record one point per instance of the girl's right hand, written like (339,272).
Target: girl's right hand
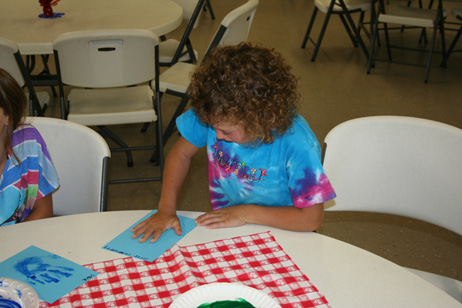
(155,225)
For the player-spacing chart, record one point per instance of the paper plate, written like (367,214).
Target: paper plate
(214,292)
(14,294)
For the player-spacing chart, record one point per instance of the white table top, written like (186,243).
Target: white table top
(348,276)
(20,23)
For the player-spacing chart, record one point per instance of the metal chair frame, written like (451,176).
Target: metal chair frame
(352,30)
(438,24)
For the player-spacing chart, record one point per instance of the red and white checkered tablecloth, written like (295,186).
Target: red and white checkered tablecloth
(255,260)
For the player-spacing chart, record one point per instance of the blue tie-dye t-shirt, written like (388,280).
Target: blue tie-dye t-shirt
(287,172)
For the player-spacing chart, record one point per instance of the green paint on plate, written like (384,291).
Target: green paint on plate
(238,303)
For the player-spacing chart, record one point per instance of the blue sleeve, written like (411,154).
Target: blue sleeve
(308,183)
(49,180)
(192,129)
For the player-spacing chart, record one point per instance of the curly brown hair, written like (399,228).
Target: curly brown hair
(248,85)
(13,101)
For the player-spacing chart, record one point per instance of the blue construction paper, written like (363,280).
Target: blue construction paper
(147,251)
(50,275)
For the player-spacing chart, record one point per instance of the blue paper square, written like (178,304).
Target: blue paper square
(147,251)
(50,275)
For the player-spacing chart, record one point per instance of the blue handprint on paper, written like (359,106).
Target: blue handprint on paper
(41,270)
(50,275)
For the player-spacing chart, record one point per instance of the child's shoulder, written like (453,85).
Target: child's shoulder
(300,126)
(25,132)
(300,133)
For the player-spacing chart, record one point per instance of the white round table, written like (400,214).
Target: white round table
(20,23)
(347,275)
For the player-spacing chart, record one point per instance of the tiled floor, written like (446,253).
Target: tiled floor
(333,89)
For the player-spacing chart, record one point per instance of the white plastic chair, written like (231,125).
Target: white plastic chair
(233,29)
(12,62)
(408,16)
(344,9)
(111,71)
(399,165)
(80,156)
(171,50)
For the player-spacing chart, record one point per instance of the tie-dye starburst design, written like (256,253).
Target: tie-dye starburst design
(287,172)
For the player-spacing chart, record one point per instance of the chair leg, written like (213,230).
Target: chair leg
(323,30)
(158,155)
(46,71)
(370,62)
(443,41)
(145,127)
(160,147)
(172,124)
(355,30)
(387,41)
(190,49)
(107,133)
(310,26)
(430,56)
(62,104)
(30,63)
(453,44)
(423,37)
(373,17)
(348,30)
(208,6)
(408,5)
(361,23)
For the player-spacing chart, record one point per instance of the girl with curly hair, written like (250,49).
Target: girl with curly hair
(263,159)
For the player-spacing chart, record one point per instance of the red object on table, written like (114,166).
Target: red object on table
(47,4)
(255,260)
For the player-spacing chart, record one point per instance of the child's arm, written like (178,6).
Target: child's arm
(43,208)
(284,217)
(176,169)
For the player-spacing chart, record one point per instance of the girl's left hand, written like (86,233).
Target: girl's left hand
(232,216)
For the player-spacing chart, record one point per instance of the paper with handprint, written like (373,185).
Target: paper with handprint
(50,275)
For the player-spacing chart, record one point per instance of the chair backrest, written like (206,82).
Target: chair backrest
(80,156)
(12,62)
(106,58)
(397,165)
(8,49)
(235,27)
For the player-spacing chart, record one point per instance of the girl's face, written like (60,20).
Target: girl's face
(230,133)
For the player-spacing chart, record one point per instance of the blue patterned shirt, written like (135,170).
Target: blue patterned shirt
(286,172)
